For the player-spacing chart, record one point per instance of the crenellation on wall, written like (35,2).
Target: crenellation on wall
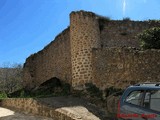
(85,15)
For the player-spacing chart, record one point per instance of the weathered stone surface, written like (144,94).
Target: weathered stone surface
(121,67)
(85,35)
(59,108)
(6,114)
(78,55)
(53,61)
(123,33)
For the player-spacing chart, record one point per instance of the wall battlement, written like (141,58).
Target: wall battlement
(71,58)
(83,14)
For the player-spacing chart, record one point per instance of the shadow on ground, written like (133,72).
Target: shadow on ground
(76,105)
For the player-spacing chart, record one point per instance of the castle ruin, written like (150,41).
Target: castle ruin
(95,50)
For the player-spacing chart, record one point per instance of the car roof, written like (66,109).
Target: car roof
(144,87)
(141,87)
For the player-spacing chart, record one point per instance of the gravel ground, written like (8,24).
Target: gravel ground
(6,114)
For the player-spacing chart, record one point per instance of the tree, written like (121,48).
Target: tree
(150,39)
(10,78)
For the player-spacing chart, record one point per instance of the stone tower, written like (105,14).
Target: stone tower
(84,35)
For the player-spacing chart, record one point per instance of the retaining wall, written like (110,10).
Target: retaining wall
(35,107)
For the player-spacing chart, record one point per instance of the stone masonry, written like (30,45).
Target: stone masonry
(120,67)
(85,35)
(83,54)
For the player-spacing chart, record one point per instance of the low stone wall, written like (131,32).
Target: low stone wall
(35,107)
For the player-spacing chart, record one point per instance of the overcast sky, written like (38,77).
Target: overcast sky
(26,26)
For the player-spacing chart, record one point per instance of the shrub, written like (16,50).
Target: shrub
(126,19)
(113,91)
(102,20)
(93,90)
(150,39)
(3,95)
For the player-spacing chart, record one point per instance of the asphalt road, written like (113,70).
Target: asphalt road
(6,114)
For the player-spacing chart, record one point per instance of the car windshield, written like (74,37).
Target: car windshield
(134,97)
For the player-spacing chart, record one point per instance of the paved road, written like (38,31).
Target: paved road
(6,114)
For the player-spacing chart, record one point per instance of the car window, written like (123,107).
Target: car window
(135,97)
(146,102)
(155,100)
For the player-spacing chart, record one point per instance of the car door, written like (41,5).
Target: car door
(131,105)
(141,105)
(150,109)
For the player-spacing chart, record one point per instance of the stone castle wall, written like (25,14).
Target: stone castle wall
(71,58)
(123,33)
(120,67)
(85,35)
(53,61)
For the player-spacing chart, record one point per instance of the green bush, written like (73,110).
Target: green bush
(93,90)
(126,19)
(113,91)
(3,95)
(102,20)
(150,39)
(21,93)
